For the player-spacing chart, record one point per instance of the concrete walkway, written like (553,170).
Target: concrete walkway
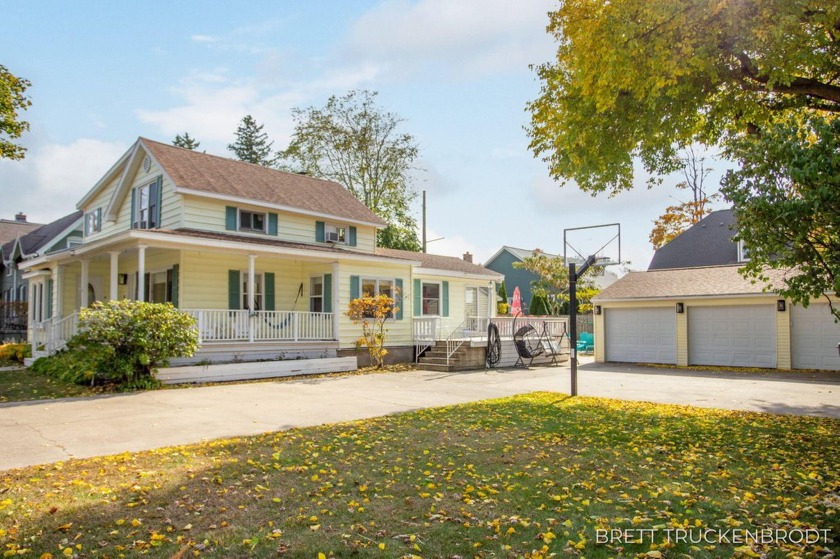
(48,431)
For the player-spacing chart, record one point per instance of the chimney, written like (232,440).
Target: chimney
(537,250)
(20,217)
(468,257)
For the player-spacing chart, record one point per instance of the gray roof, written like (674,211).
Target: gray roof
(688,282)
(438,262)
(519,253)
(11,229)
(706,243)
(35,240)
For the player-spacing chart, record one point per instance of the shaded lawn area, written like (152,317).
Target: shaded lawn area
(23,384)
(529,476)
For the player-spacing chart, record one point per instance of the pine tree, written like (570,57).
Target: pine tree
(186,141)
(252,143)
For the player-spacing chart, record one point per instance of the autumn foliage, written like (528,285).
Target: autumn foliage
(371,313)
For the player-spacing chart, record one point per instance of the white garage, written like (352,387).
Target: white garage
(732,335)
(813,338)
(641,335)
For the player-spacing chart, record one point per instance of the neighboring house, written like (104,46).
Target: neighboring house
(700,314)
(39,240)
(267,261)
(11,229)
(502,262)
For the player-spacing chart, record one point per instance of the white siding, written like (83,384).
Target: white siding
(740,336)
(814,338)
(641,335)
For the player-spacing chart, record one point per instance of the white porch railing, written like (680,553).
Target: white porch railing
(52,334)
(218,325)
(555,326)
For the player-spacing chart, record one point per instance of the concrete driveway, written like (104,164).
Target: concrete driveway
(48,431)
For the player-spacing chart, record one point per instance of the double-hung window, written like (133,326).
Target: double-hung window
(258,291)
(430,302)
(252,222)
(336,233)
(376,287)
(93,221)
(316,294)
(146,206)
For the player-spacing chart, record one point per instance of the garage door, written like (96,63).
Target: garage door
(739,336)
(813,338)
(647,335)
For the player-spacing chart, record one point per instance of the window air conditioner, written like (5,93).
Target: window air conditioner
(332,237)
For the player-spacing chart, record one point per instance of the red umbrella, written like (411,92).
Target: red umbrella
(516,305)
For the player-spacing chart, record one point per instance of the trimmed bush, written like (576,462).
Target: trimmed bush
(14,352)
(123,342)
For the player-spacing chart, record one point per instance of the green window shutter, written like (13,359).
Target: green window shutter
(417,294)
(159,201)
(234,291)
(319,232)
(327,303)
(269,291)
(444,303)
(352,234)
(230,218)
(354,287)
(134,208)
(50,299)
(272,224)
(398,298)
(174,275)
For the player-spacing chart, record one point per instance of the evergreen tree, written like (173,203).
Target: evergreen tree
(252,143)
(186,141)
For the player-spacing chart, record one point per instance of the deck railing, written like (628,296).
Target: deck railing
(429,330)
(218,325)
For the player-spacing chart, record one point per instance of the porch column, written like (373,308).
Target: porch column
(115,267)
(141,273)
(58,289)
(251,281)
(335,309)
(33,303)
(84,280)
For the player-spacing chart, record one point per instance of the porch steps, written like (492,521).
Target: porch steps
(465,358)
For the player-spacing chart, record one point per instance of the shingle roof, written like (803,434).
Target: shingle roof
(264,241)
(687,282)
(522,253)
(33,241)
(438,262)
(706,243)
(228,177)
(11,229)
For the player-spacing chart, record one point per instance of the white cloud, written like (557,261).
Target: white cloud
(468,38)
(54,177)
(203,39)
(454,245)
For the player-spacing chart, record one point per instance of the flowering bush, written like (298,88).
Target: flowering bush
(371,313)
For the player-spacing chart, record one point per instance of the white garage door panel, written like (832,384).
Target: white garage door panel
(646,335)
(737,336)
(813,338)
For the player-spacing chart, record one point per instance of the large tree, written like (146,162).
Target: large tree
(12,100)
(252,144)
(186,141)
(351,140)
(645,78)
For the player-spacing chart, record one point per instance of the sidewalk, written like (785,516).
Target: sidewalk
(49,431)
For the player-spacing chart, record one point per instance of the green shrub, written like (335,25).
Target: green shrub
(16,352)
(74,364)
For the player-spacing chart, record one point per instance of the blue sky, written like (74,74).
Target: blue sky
(104,73)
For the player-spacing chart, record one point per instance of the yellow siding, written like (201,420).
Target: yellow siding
(209,215)
(783,338)
(682,337)
(598,327)
(400,332)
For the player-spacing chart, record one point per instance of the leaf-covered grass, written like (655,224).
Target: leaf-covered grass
(530,476)
(21,384)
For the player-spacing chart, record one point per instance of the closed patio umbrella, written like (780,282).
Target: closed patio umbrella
(516,305)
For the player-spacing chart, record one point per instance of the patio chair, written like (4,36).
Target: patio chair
(527,346)
(586,343)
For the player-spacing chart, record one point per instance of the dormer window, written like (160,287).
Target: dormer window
(743,252)
(146,203)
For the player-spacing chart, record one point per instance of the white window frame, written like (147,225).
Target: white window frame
(139,209)
(439,297)
(259,288)
(743,252)
(312,296)
(342,231)
(93,222)
(239,226)
(378,291)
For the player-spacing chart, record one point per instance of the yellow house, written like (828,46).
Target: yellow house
(711,316)
(267,261)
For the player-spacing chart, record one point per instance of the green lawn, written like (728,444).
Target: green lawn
(23,384)
(531,476)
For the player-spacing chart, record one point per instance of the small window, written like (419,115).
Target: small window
(316,294)
(743,252)
(93,221)
(252,221)
(431,299)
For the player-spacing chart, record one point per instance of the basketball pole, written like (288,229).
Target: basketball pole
(574,275)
